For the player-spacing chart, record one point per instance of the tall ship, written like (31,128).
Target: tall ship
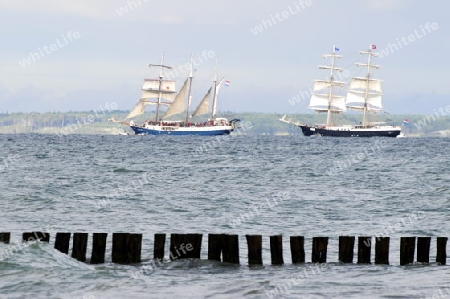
(364,94)
(162,93)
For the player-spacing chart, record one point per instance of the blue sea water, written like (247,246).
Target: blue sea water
(288,185)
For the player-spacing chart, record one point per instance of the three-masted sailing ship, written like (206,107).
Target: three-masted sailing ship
(363,94)
(161,92)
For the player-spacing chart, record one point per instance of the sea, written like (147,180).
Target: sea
(264,185)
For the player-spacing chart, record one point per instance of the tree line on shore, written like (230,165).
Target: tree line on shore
(87,122)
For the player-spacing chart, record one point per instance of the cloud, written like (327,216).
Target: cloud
(162,12)
(55,7)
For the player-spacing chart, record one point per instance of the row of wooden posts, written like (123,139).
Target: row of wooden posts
(127,248)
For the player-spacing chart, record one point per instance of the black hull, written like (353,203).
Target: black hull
(309,131)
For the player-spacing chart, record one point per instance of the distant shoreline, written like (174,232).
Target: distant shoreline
(82,122)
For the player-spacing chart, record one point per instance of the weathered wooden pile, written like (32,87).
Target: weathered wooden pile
(127,248)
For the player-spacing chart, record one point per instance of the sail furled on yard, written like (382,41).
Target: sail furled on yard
(322,84)
(203,106)
(177,105)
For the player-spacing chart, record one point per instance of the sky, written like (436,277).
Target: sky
(87,54)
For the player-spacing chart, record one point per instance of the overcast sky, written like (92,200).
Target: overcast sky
(80,55)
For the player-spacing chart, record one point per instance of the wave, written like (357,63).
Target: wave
(126,170)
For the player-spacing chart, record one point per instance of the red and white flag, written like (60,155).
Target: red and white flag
(374,47)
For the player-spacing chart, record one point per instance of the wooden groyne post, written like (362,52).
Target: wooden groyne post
(407,248)
(193,244)
(382,250)
(441,255)
(346,246)
(158,247)
(98,248)
(297,249)
(62,242)
(276,250)
(223,247)
(79,246)
(230,248)
(5,238)
(254,244)
(36,236)
(319,250)
(185,246)
(214,247)
(423,249)
(126,248)
(364,249)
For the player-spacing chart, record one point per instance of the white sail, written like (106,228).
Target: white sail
(355,100)
(327,101)
(140,106)
(214,108)
(167,86)
(322,84)
(202,108)
(147,94)
(375,103)
(177,106)
(364,83)
(150,89)
(337,104)
(138,109)
(323,102)
(318,101)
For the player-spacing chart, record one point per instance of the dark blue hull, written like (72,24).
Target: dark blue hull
(180,132)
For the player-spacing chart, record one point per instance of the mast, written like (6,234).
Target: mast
(330,93)
(161,76)
(189,92)
(328,102)
(157,89)
(203,106)
(365,93)
(214,103)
